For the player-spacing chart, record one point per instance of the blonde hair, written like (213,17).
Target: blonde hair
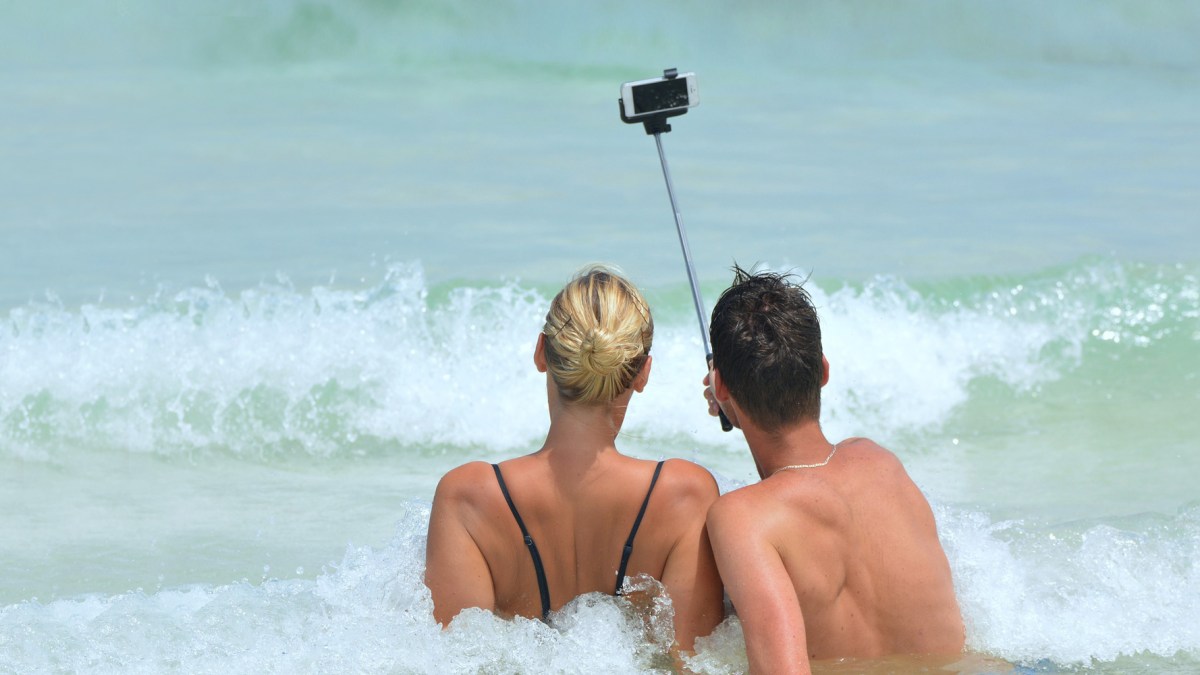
(598,333)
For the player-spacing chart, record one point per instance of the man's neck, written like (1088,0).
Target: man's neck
(797,444)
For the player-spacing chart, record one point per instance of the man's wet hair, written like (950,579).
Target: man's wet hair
(766,342)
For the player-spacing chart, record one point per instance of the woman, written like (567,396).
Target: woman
(526,536)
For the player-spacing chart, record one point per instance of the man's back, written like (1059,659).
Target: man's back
(822,559)
(856,542)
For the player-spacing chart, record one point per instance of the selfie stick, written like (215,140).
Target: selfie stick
(656,125)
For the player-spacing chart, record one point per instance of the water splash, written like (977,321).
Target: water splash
(278,372)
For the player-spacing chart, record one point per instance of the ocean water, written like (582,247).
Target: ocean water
(268,269)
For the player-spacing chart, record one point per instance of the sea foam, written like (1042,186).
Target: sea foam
(1067,596)
(273,370)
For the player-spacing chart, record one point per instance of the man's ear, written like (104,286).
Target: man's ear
(825,368)
(720,391)
(725,399)
(643,376)
(539,353)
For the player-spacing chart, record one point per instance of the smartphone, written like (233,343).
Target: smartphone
(646,97)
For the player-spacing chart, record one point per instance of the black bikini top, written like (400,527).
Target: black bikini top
(543,587)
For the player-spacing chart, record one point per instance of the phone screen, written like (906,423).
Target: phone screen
(663,95)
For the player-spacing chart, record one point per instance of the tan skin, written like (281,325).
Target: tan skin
(831,562)
(578,497)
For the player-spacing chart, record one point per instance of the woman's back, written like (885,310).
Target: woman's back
(579,524)
(577,497)
(478,557)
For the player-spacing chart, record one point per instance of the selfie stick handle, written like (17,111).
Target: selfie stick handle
(691,268)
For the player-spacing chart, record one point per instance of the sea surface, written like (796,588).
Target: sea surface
(269,268)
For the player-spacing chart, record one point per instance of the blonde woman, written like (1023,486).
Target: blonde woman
(525,536)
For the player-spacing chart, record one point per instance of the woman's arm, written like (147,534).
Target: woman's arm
(456,572)
(690,574)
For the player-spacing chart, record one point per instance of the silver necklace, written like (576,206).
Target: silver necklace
(809,466)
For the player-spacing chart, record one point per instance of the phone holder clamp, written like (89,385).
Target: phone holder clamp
(655,123)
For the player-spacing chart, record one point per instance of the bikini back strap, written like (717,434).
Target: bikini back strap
(543,587)
(633,533)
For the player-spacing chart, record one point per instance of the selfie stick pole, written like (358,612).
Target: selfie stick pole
(687,252)
(656,125)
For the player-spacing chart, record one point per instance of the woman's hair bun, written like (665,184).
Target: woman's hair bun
(598,333)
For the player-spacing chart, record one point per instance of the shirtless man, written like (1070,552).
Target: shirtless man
(834,553)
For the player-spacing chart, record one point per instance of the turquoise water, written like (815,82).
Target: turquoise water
(268,269)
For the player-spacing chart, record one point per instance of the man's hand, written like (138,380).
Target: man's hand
(715,408)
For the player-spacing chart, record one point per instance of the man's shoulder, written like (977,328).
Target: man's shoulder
(870,455)
(795,503)
(878,467)
(865,446)
(741,510)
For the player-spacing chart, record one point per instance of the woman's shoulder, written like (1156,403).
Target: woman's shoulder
(688,484)
(461,484)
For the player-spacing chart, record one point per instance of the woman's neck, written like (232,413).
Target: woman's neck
(580,435)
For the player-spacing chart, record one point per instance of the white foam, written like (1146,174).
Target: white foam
(898,361)
(1072,596)
(273,370)
(1076,594)
(369,613)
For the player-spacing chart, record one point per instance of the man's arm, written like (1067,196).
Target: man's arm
(456,572)
(759,587)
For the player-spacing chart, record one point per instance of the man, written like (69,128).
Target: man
(834,553)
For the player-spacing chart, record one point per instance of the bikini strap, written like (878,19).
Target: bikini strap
(633,533)
(543,587)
